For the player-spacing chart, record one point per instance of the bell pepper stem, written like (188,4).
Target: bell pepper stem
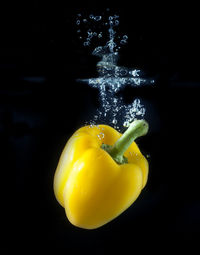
(136,129)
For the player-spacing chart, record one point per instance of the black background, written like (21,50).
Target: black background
(42,104)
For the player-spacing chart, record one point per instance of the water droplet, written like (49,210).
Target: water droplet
(101,135)
(85,20)
(130,153)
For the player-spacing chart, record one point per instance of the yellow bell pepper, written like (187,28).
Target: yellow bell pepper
(100,173)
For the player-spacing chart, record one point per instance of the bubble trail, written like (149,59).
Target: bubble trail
(113,78)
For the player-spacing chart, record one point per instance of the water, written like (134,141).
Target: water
(112,78)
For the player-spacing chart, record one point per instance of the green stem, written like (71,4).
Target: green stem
(136,129)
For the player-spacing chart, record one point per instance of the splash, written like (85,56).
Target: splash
(112,78)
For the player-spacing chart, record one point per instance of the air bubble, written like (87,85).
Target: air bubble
(86,43)
(90,34)
(116,22)
(100,35)
(126,124)
(135,73)
(97,18)
(114,121)
(123,41)
(78,22)
(138,113)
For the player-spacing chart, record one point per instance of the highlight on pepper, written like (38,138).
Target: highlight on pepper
(97,179)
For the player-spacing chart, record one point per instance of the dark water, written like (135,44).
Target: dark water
(41,105)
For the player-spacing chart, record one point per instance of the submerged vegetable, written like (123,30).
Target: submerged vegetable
(98,177)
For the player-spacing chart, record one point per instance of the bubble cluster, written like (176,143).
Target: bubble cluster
(112,78)
(89,34)
(112,22)
(97,18)
(114,111)
(100,133)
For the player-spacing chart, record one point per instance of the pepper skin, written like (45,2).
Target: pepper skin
(91,184)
